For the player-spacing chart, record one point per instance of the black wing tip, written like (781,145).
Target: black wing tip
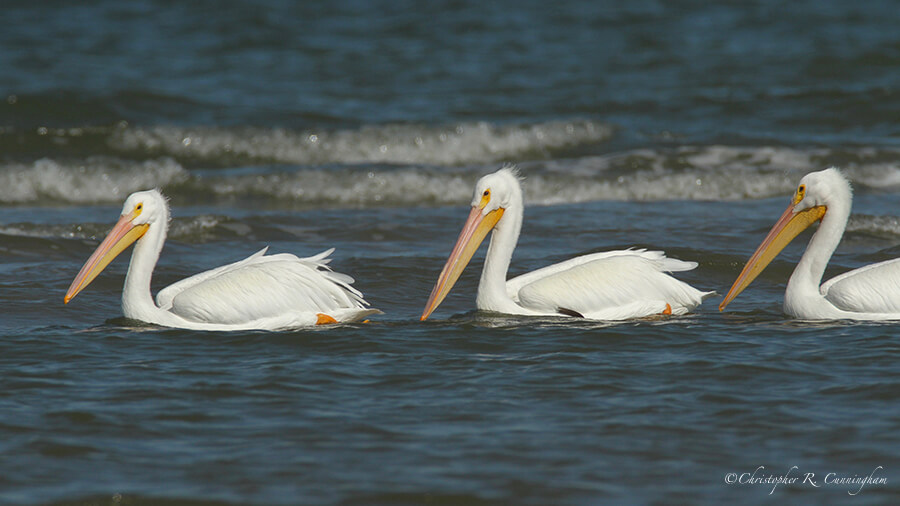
(569,312)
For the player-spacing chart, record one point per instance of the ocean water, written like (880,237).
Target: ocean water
(363,125)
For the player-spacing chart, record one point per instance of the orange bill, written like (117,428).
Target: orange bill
(120,237)
(785,230)
(473,233)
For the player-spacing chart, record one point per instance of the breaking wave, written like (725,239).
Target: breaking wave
(883,226)
(685,173)
(459,144)
(92,180)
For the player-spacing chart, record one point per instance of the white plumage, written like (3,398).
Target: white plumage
(260,292)
(868,293)
(613,285)
(873,288)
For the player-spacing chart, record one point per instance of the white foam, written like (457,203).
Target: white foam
(403,187)
(462,143)
(54,231)
(703,173)
(185,229)
(878,225)
(96,179)
(194,227)
(683,173)
(416,187)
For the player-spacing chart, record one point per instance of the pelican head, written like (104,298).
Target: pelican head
(141,211)
(494,194)
(811,200)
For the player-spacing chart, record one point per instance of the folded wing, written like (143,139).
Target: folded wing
(871,289)
(261,287)
(608,286)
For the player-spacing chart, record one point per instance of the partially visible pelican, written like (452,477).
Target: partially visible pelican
(868,293)
(614,285)
(260,292)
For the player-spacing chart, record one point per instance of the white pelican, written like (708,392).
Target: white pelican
(614,285)
(260,292)
(868,293)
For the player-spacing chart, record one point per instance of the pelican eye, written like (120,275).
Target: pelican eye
(485,198)
(800,195)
